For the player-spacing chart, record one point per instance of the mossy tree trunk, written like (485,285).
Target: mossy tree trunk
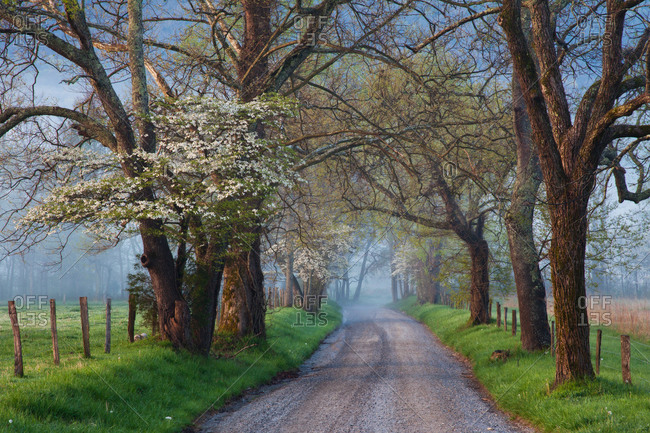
(243,301)
(233,318)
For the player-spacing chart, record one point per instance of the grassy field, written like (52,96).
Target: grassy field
(143,386)
(626,315)
(521,386)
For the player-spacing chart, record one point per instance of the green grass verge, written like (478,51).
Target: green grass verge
(138,385)
(521,385)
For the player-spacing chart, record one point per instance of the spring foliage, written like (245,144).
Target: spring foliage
(208,158)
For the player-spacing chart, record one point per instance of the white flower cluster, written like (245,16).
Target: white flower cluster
(325,256)
(406,258)
(208,159)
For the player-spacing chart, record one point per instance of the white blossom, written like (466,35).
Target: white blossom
(207,159)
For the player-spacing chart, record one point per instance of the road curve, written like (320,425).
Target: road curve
(380,372)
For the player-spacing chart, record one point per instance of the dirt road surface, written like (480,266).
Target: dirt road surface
(381,371)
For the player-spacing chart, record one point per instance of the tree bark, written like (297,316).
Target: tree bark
(255,299)
(243,301)
(567,256)
(480,283)
(158,260)
(531,293)
(234,313)
(296,286)
(204,294)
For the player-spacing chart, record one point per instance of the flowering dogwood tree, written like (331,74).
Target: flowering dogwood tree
(318,255)
(207,159)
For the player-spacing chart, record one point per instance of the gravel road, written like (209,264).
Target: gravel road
(381,371)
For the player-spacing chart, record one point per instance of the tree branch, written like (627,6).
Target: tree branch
(86,126)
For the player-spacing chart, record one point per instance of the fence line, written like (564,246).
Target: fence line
(54,350)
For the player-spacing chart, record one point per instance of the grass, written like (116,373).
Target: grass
(138,385)
(521,386)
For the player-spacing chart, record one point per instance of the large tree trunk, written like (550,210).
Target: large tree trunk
(204,307)
(243,300)
(204,294)
(569,151)
(173,311)
(255,298)
(233,318)
(314,292)
(297,291)
(253,62)
(471,232)
(567,255)
(531,293)
(480,283)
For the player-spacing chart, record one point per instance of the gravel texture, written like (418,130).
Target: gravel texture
(381,371)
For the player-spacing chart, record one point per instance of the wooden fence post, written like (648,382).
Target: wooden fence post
(553,338)
(107,342)
(18,347)
(55,335)
(505,318)
(599,337)
(514,322)
(625,359)
(498,315)
(131,325)
(85,325)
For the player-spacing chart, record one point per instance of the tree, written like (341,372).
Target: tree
(570,145)
(364,269)
(91,50)
(320,237)
(430,161)
(185,188)
(74,44)
(251,59)
(524,256)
